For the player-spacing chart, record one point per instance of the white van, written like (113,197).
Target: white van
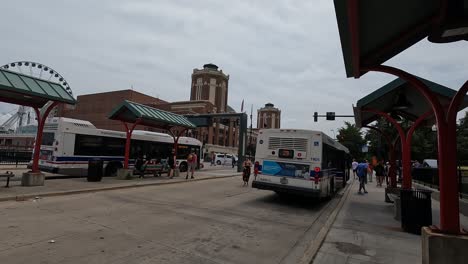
(224,159)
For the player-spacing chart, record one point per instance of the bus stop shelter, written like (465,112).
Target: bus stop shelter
(372,32)
(138,114)
(398,98)
(42,96)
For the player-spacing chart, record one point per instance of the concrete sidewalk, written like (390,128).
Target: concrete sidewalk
(365,232)
(81,185)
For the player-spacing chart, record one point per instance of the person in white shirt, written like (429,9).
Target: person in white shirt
(354,166)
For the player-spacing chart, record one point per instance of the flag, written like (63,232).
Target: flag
(242,106)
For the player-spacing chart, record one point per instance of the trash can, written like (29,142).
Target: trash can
(95,170)
(416,210)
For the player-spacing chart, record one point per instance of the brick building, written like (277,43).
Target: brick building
(268,117)
(210,84)
(208,94)
(96,107)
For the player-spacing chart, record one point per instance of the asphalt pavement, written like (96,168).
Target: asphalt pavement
(211,221)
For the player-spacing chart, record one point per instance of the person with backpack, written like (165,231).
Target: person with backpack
(362,175)
(191,164)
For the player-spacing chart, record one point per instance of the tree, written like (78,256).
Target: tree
(351,137)
(378,145)
(423,143)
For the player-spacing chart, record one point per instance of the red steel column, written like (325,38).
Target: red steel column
(446,141)
(128,141)
(406,152)
(176,135)
(40,129)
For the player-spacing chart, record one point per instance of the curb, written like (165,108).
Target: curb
(101,189)
(316,244)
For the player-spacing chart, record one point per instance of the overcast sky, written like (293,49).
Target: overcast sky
(286,52)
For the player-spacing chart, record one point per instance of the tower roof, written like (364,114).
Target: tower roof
(210,66)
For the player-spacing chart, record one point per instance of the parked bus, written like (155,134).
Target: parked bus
(302,162)
(68,145)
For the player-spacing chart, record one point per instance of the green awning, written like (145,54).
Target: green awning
(384,99)
(25,90)
(129,112)
(381,30)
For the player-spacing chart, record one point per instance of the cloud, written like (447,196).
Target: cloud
(286,52)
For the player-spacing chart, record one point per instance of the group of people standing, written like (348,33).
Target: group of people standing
(142,162)
(192,163)
(364,171)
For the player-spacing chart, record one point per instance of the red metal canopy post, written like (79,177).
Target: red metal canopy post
(446,139)
(405,142)
(128,140)
(405,155)
(41,119)
(175,133)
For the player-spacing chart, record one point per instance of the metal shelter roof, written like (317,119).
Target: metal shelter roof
(129,112)
(384,99)
(372,32)
(25,90)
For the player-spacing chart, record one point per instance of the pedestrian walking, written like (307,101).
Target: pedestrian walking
(233,161)
(379,173)
(213,159)
(361,171)
(191,163)
(171,163)
(256,169)
(246,172)
(143,166)
(354,167)
(387,171)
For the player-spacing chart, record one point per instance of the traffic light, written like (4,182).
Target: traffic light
(315,116)
(330,115)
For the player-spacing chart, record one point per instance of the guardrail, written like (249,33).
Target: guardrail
(430,177)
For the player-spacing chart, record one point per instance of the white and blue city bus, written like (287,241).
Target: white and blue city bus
(69,144)
(303,162)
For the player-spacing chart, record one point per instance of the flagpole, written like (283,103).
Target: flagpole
(250,137)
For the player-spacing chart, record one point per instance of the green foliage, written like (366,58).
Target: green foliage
(378,145)
(423,144)
(351,137)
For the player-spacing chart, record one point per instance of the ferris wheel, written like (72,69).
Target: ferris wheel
(25,115)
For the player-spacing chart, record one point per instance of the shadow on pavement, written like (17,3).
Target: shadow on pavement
(291,201)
